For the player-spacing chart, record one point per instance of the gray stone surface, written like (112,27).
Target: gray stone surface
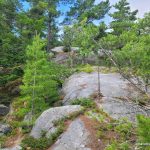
(58,49)
(75,138)
(4,110)
(46,119)
(85,84)
(121,109)
(113,88)
(4,129)
(17,147)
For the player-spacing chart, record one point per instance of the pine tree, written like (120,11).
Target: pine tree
(82,9)
(123,17)
(38,89)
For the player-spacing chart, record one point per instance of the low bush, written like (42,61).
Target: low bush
(118,146)
(43,142)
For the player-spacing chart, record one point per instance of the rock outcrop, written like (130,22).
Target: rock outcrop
(45,122)
(113,88)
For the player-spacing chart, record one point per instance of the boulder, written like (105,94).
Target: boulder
(45,122)
(4,110)
(60,49)
(4,129)
(75,138)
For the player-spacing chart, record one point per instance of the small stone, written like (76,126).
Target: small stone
(4,110)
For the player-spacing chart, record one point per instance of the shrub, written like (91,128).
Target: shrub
(43,142)
(38,144)
(88,103)
(118,146)
(143,129)
(124,128)
(87,68)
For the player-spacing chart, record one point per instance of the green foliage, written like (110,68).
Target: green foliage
(38,144)
(123,18)
(39,88)
(83,38)
(11,46)
(2,141)
(43,142)
(87,103)
(87,9)
(118,146)
(67,38)
(86,68)
(143,129)
(124,128)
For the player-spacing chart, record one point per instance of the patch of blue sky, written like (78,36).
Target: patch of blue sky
(26,5)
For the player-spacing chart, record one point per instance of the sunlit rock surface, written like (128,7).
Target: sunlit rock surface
(113,88)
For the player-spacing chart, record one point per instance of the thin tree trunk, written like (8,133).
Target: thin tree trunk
(34,83)
(49,36)
(99,86)
(33,95)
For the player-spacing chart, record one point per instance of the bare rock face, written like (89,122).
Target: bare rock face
(46,119)
(4,110)
(85,84)
(113,87)
(75,138)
